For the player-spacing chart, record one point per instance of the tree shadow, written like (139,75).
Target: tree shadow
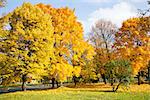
(43,89)
(93,90)
(72,88)
(2,91)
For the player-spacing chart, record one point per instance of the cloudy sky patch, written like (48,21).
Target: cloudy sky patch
(88,11)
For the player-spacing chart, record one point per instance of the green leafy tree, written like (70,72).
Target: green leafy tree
(118,71)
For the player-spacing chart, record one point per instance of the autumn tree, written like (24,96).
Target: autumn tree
(144,13)
(102,38)
(148,70)
(69,44)
(26,43)
(132,42)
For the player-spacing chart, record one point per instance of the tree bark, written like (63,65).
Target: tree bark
(111,78)
(24,78)
(104,78)
(57,84)
(53,82)
(112,82)
(139,80)
(117,87)
(149,74)
(75,80)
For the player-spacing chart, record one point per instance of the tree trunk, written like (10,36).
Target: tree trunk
(53,82)
(149,74)
(117,87)
(112,83)
(75,80)
(24,78)
(57,84)
(139,80)
(104,78)
(111,78)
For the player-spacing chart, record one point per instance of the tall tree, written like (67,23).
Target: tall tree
(69,45)
(26,43)
(144,13)
(132,42)
(102,38)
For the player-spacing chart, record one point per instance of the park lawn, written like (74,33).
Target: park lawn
(96,92)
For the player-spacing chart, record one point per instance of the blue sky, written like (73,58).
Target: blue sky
(88,11)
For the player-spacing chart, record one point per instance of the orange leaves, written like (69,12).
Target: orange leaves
(69,43)
(136,67)
(132,43)
(131,23)
(46,8)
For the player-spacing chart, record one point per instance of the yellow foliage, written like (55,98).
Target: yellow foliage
(68,42)
(29,42)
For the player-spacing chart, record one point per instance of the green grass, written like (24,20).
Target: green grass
(85,93)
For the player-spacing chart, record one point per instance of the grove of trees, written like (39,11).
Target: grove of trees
(47,43)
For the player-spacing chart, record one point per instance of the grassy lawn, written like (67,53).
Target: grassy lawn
(89,92)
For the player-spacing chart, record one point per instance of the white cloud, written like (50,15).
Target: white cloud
(117,14)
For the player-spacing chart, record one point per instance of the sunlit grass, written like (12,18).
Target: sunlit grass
(82,92)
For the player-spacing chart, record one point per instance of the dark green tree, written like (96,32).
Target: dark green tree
(119,73)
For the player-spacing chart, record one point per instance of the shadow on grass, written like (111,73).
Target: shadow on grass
(93,90)
(18,89)
(72,88)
